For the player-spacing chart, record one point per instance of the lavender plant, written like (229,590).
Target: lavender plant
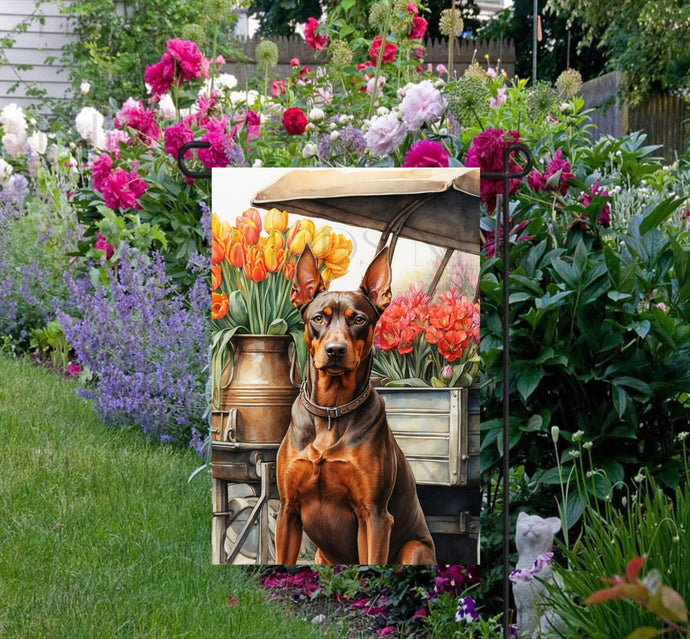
(146,345)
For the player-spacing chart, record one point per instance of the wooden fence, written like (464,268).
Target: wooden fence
(436,53)
(665,118)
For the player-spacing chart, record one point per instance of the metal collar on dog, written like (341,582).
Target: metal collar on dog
(332,412)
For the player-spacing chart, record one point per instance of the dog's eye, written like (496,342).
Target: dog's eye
(317,319)
(360,319)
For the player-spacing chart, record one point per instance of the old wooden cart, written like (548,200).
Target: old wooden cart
(437,429)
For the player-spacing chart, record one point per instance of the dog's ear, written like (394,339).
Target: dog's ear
(376,284)
(307,283)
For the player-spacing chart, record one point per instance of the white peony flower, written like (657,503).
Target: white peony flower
(13,120)
(38,142)
(84,87)
(166,107)
(316,114)
(14,143)
(309,150)
(89,123)
(257,164)
(226,82)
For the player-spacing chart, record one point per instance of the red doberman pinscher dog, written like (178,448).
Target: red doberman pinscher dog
(341,475)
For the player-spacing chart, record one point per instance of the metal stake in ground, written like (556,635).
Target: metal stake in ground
(506,176)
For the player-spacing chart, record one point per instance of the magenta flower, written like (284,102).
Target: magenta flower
(217,135)
(175,136)
(418,28)
(316,42)
(384,632)
(102,245)
(586,198)
(101,170)
(556,177)
(123,189)
(134,115)
(490,243)
(181,62)
(426,153)
(73,369)
(486,152)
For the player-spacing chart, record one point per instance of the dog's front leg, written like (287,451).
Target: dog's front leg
(374,535)
(288,534)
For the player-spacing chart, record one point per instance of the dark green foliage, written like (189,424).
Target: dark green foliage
(280,17)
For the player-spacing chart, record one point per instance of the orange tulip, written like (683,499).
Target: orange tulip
(249,223)
(215,276)
(255,265)
(219,305)
(217,250)
(276,220)
(289,270)
(237,253)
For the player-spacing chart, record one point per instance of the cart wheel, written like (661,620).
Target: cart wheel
(239,508)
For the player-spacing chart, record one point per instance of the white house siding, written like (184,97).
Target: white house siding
(41,41)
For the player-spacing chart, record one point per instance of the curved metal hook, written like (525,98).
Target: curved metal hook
(507,175)
(180,159)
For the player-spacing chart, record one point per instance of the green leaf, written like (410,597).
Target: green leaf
(635,384)
(574,509)
(528,380)
(278,327)
(659,214)
(534,423)
(408,381)
(620,400)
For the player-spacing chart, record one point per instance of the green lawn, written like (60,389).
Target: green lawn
(102,536)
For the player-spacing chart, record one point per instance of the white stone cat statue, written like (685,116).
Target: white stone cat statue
(534,540)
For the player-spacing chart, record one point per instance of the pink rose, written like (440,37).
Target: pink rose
(418,28)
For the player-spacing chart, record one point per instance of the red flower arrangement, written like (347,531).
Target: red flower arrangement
(417,341)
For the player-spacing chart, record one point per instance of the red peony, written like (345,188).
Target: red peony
(389,50)
(295,121)
(556,177)
(316,42)
(175,136)
(418,28)
(426,153)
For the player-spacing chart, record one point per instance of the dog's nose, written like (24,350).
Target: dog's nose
(335,349)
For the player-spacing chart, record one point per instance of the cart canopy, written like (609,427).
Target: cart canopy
(436,206)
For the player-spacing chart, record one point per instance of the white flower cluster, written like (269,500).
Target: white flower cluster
(14,130)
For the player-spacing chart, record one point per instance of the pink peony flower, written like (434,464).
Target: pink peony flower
(122,189)
(134,115)
(500,98)
(278,87)
(389,50)
(556,177)
(181,62)
(175,137)
(101,245)
(316,42)
(384,632)
(101,170)
(586,198)
(385,134)
(216,134)
(294,62)
(422,104)
(113,139)
(426,153)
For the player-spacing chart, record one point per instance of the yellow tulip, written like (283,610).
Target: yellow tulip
(276,220)
(274,258)
(298,235)
(323,241)
(275,239)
